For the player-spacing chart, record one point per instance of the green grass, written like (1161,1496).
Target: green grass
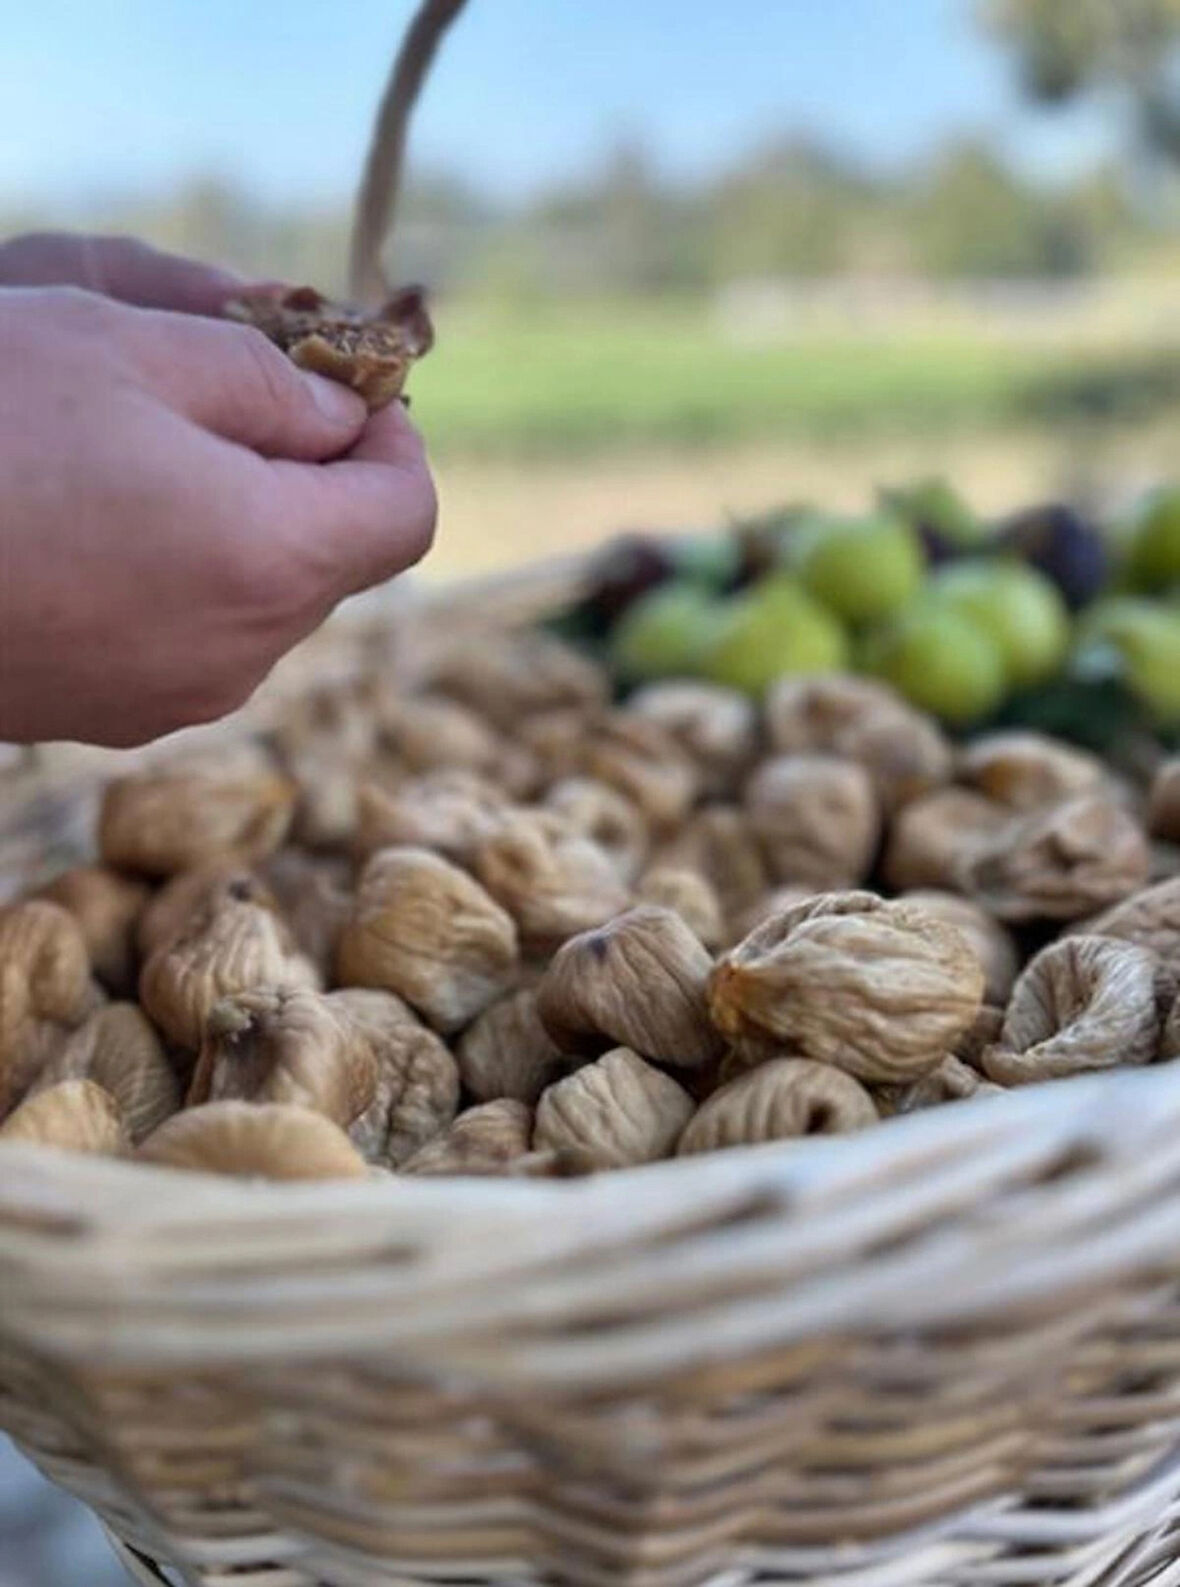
(571,380)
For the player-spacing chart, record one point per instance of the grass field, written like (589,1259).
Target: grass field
(579,380)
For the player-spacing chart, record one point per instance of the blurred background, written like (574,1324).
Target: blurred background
(688,260)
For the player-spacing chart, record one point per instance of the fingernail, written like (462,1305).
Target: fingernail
(337,403)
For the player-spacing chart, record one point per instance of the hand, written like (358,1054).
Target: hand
(180,506)
(117,267)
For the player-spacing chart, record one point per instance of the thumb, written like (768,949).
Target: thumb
(234,383)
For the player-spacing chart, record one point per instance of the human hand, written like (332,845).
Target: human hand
(181,506)
(117,267)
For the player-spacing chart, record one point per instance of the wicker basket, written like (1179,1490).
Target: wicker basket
(945,1353)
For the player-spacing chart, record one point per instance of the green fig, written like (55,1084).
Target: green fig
(863,569)
(1153,541)
(661,635)
(1017,607)
(942,662)
(773,629)
(1145,637)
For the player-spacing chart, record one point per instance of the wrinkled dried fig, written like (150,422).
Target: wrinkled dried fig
(952,1081)
(740,925)
(816,818)
(507,1052)
(636,982)
(106,907)
(557,742)
(314,895)
(716,727)
(718,842)
(880,990)
(993,944)
(285,1045)
(646,764)
(780,1100)
(984,1032)
(118,1049)
(1058,863)
(1149,919)
(687,894)
(45,989)
(193,893)
(857,719)
(617,1113)
(930,837)
(1082,1003)
(163,822)
(425,733)
(1026,770)
(426,930)
(232,945)
(484,1140)
(74,1115)
(327,802)
(1163,804)
(606,817)
(417,1091)
(507,676)
(451,812)
(264,1140)
(551,880)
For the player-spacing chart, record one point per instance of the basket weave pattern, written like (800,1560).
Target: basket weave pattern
(942,1353)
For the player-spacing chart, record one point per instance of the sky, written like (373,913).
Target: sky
(133,95)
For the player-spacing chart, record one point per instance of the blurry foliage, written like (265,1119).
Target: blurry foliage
(1068,47)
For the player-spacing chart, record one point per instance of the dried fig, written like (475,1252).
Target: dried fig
(716,727)
(159,823)
(605,816)
(931,836)
(952,1081)
(617,1113)
(106,907)
(1082,1003)
(780,1100)
(646,764)
(45,989)
(74,1115)
(118,1049)
(556,740)
(816,818)
(232,945)
(551,880)
(485,1140)
(425,733)
(880,990)
(637,982)
(1058,863)
(264,1140)
(507,676)
(417,1091)
(426,930)
(720,844)
(993,945)
(687,894)
(1163,804)
(1149,919)
(193,893)
(507,1051)
(857,719)
(984,1033)
(314,895)
(451,812)
(1025,770)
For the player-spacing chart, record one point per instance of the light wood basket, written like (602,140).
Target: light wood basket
(944,1353)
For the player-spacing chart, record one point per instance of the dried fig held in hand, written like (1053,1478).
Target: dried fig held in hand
(880,990)
(637,982)
(372,353)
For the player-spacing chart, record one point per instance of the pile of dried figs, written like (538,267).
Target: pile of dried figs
(493,923)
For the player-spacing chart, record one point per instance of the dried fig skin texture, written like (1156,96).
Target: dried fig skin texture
(1150,918)
(618,1112)
(45,990)
(638,982)
(451,812)
(688,894)
(119,1050)
(199,892)
(551,880)
(783,1099)
(507,1052)
(484,1141)
(931,839)
(417,1080)
(715,726)
(816,818)
(604,815)
(429,932)
(73,1116)
(159,823)
(107,907)
(254,1140)
(1082,1004)
(1059,863)
(953,1081)
(880,990)
(1025,770)
(993,943)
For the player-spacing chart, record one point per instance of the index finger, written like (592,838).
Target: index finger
(366,517)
